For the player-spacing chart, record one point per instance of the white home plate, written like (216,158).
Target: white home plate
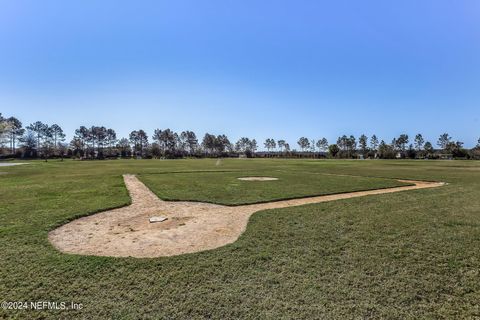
(157,219)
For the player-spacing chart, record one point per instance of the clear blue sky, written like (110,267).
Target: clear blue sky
(280,69)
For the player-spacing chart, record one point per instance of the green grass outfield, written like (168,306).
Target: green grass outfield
(224,187)
(413,254)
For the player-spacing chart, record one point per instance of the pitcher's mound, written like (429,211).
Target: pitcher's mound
(257,178)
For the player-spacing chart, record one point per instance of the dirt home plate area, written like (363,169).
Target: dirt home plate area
(188,227)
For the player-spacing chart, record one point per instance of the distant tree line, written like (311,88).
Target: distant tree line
(41,140)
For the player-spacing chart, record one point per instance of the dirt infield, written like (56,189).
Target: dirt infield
(257,179)
(191,226)
(11,164)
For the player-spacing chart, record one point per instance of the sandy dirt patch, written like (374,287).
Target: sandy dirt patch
(191,226)
(257,179)
(6,164)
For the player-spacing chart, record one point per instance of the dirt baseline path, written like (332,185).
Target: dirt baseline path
(191,226)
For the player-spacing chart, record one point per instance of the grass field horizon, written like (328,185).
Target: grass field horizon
(412,254)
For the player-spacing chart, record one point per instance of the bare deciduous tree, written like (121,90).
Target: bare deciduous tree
(443,141)
(419,142)
(303,143)
(374,143)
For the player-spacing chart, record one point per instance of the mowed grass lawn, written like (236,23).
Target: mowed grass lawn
(224,187)
(413,254)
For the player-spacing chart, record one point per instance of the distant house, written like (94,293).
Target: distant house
(445,156)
